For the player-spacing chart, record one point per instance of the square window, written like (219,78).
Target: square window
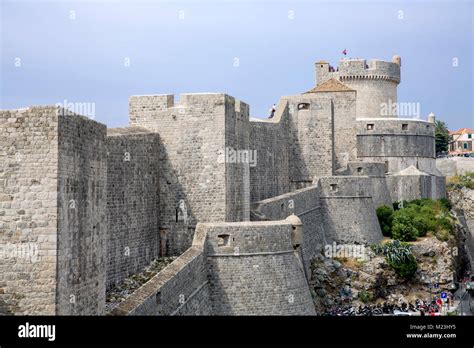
(404,126)
(333,187)
(370,126)
(223,240)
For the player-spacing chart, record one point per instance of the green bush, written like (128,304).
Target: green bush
(418,217)
(445,223)
(442,235)
(365,296)
(403,227)
(421,224)
(446,203)
(406,269)
(385,217)
(424,220)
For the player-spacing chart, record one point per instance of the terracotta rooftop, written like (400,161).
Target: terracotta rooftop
(457,134)
(331,85)
(462,131)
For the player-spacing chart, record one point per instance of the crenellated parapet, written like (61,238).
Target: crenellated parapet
(359,69)
(374,80)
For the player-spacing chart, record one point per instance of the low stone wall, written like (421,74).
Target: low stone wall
(455,165)
(179,289)
(409,187)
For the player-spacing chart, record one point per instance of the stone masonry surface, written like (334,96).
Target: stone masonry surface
(83,208)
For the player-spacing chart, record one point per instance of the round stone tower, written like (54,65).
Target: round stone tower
(375,81)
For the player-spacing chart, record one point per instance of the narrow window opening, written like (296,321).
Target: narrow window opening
(158,298)
(404,126)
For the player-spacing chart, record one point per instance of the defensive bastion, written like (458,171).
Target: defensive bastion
(96,205)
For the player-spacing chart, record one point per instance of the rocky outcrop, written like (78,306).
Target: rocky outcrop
(463,200)
(355,282)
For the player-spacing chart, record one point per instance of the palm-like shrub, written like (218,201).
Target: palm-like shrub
(399,256)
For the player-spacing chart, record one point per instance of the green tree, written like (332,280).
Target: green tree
(441,136)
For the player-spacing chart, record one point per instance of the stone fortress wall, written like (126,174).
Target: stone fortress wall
(82,216)
(53,203)
(245,203)
(28,209)
(271,176)
(197,183)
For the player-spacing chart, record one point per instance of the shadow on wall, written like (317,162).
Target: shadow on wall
(269,138)
(296,156)
(177,220)
(132,202)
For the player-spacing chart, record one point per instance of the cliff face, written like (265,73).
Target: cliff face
(463,205)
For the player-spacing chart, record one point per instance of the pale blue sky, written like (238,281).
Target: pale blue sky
(82,59)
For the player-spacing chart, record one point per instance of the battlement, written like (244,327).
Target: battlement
(359,69)
(146,110)
(369,70)
(167,101)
